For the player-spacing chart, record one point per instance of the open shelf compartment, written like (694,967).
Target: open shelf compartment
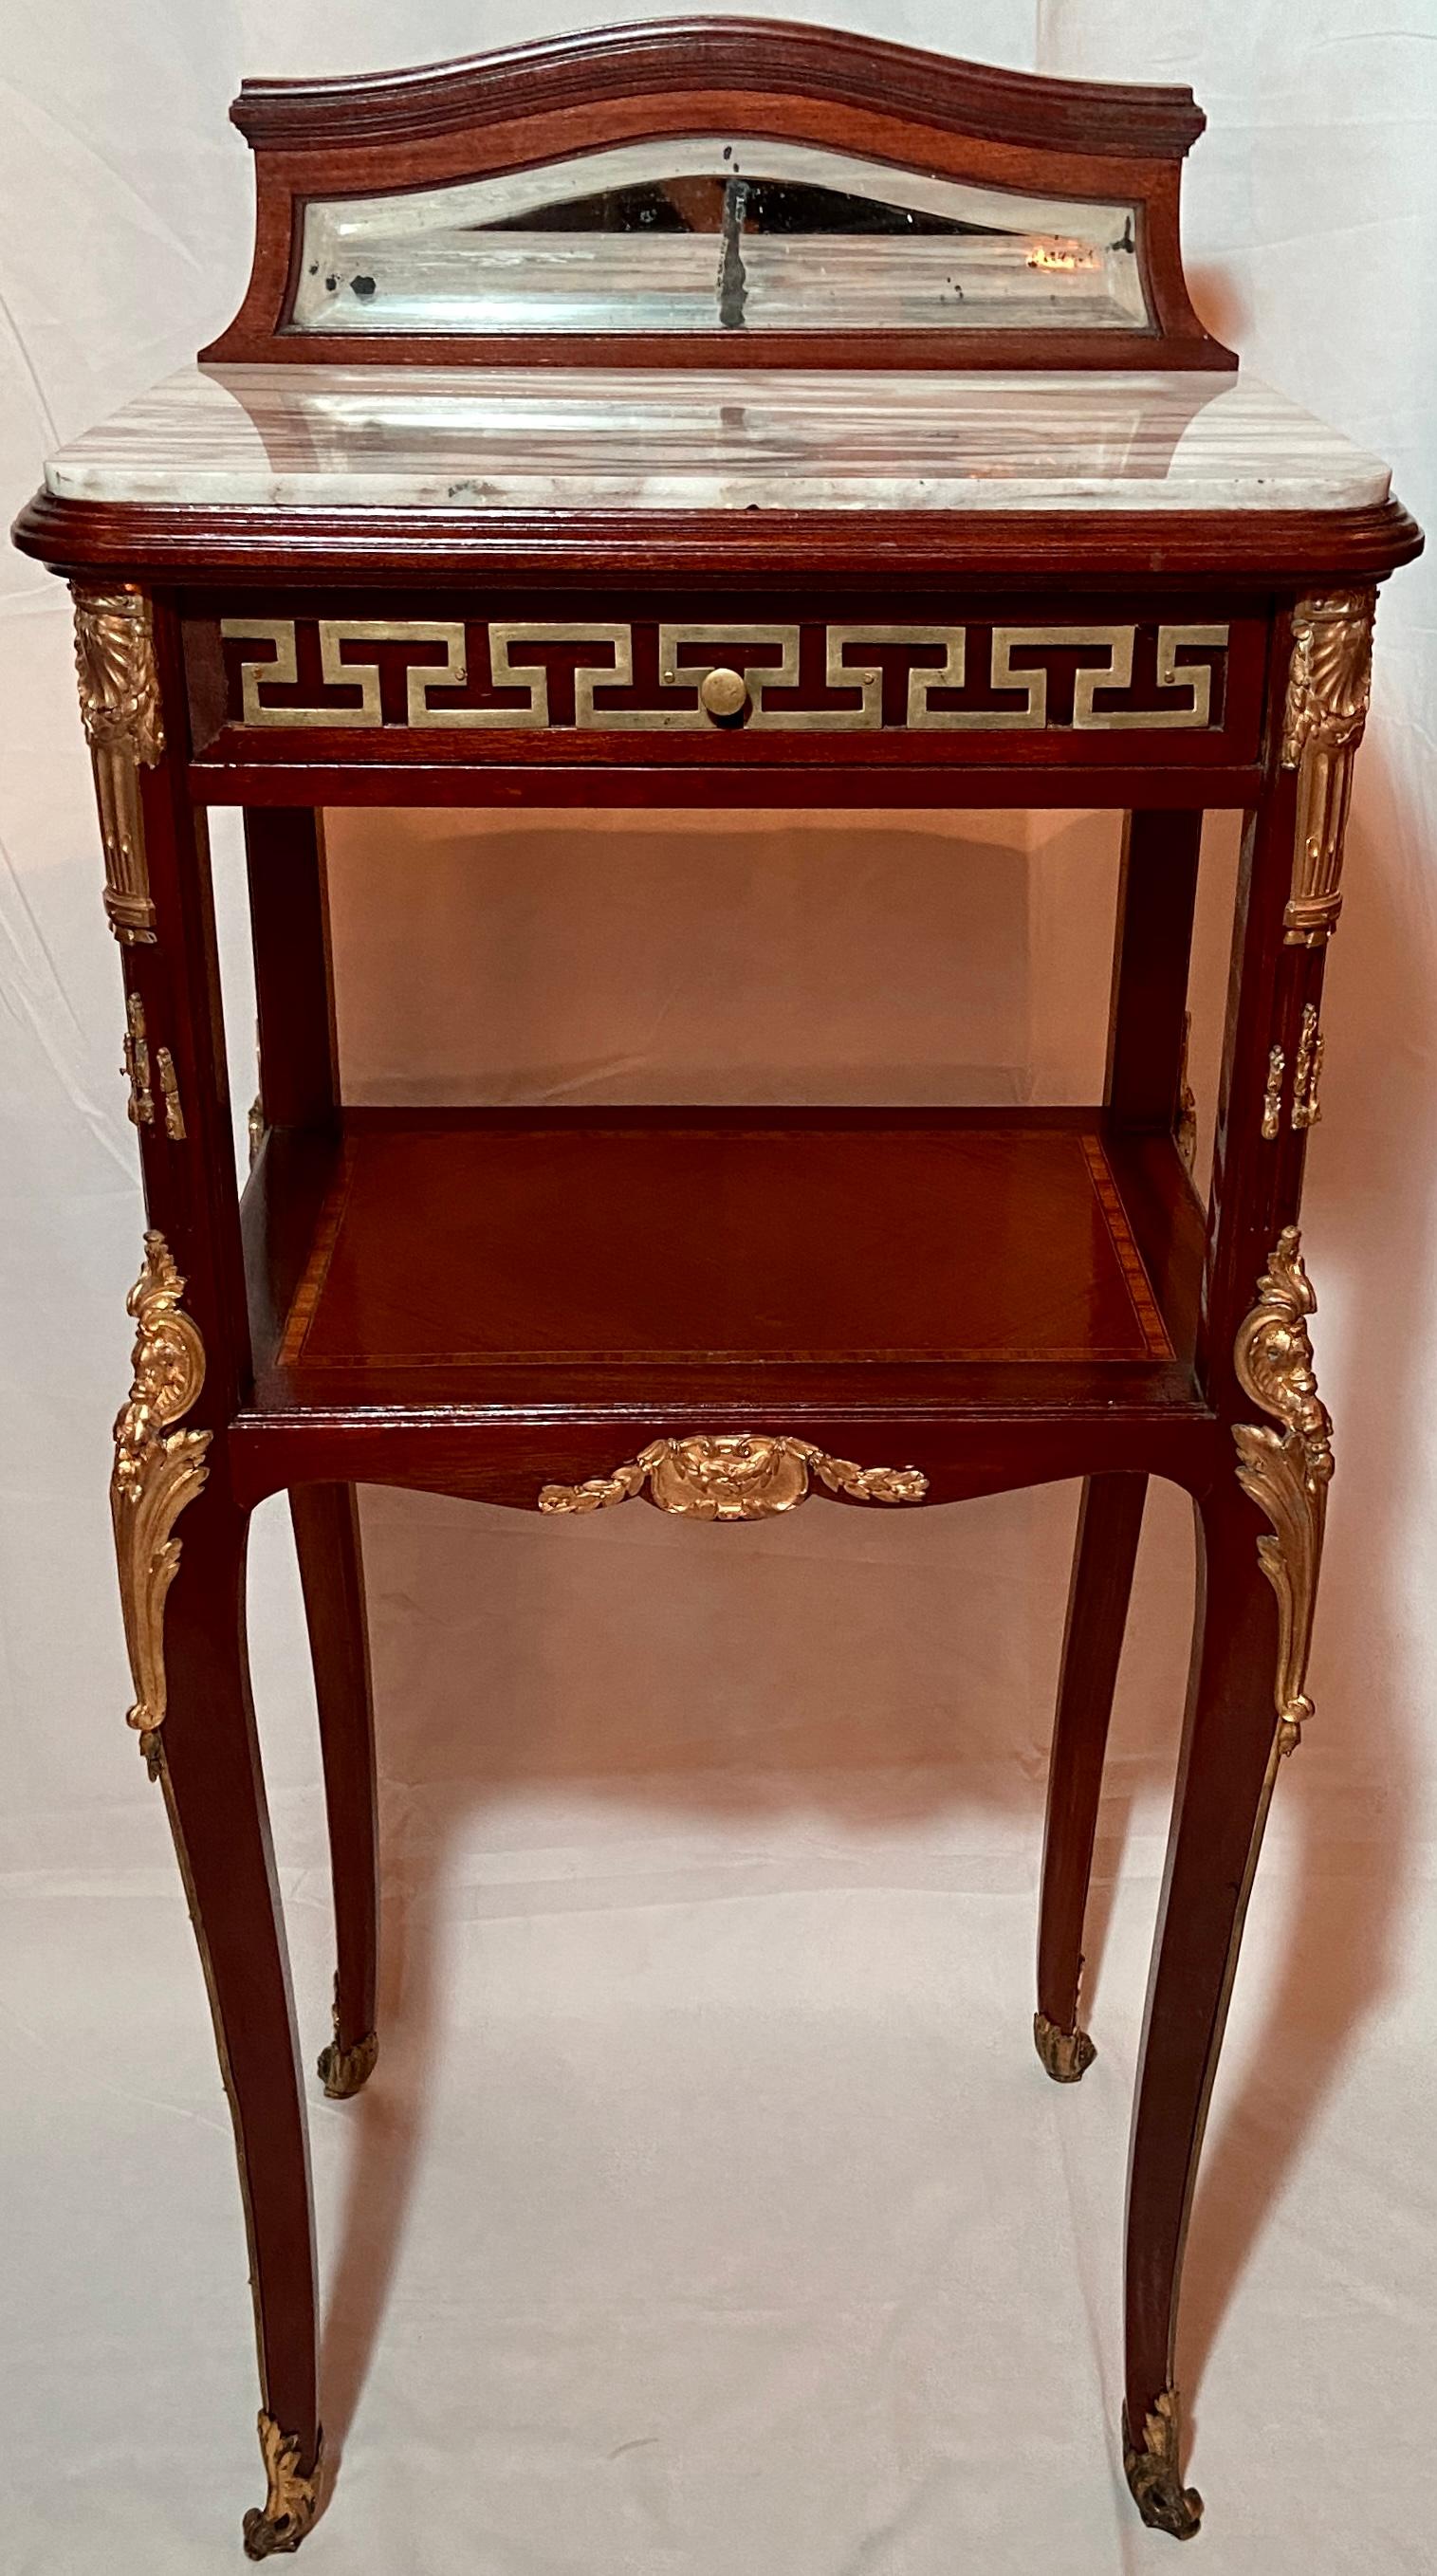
(468,1257)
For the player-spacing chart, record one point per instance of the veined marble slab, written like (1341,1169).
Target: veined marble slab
(535,438)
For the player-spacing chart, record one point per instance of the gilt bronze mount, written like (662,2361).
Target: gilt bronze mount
(276,2528)
(120,707)
(1152,2469)
(158,1470)
(1328,689)
(344,2071)
(1287,1472)
(1066,2054)
(734,1476)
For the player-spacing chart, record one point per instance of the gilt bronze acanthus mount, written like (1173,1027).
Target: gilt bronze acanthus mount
(1287,1472)
(157,1471)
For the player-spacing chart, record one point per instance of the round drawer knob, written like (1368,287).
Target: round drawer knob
(723,693)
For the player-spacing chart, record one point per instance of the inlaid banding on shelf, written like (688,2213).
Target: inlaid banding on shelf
(467,675)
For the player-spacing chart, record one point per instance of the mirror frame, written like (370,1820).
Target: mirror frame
(395,132)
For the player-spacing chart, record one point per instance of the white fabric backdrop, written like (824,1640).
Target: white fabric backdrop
(709,2211)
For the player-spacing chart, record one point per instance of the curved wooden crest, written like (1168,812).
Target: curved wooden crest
(399,133)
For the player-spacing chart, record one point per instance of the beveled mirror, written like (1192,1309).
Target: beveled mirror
(715,232)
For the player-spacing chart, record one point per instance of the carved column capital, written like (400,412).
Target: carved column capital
(120,709)
(1328,686)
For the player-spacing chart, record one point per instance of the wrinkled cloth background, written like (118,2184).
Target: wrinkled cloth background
(709,2213)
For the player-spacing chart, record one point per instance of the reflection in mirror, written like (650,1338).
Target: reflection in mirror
(699,233)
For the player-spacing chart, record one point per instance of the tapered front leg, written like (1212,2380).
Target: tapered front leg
(1109,1523)
(208,1762)
(1225,1782)
(180,1543)
(1260,1549)
(326,1531)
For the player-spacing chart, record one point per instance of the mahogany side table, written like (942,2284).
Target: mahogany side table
(710,415)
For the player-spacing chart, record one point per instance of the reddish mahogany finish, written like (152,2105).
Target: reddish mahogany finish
(908,554)
(326,1537)
(1110,1518)
(479,1303)
(978,100)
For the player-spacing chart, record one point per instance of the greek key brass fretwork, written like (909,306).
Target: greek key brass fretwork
(1003,669)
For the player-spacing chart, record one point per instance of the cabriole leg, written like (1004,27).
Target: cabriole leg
(180,1547)
(1259,1551)
(1232,1742)
(208,1764)
(1109,1522)
(326,1532)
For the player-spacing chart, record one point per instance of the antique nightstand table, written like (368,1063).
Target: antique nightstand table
(700,416)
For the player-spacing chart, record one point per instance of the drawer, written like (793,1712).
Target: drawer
(465,682)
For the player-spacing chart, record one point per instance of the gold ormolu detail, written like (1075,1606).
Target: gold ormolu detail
(156,1472)
(169,1083)
(343,2070)
(1307,1074)
(1067,2054)
(1272,1097)
(120,706)
(734,1476)
(1328,687)
(136,1066)
(1286,1473)
(1152,2472)
(136,1069)
(293,2499)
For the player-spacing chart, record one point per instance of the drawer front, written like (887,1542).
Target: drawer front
(363,682)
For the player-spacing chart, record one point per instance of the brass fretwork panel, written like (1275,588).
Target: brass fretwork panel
(475,675)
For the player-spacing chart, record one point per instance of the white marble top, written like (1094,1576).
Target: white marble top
(476,438)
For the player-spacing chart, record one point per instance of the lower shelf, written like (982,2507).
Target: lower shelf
(570,1264)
